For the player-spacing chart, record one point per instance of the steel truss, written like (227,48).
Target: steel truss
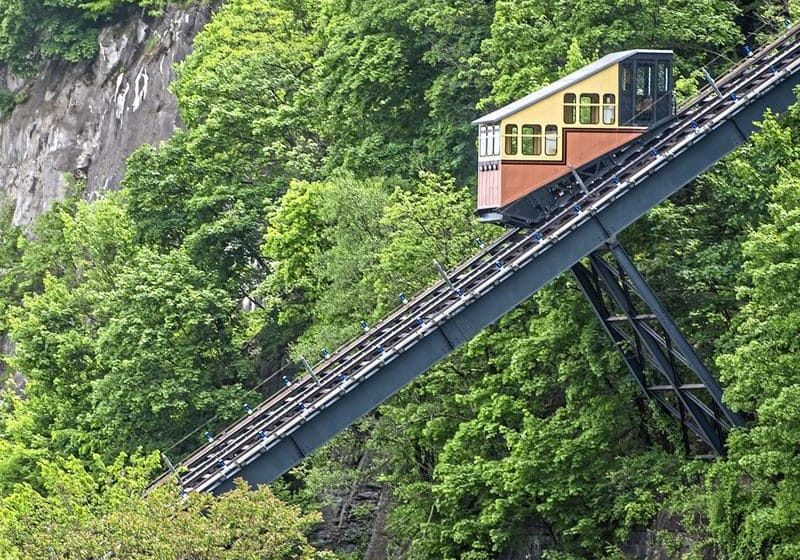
(658,356)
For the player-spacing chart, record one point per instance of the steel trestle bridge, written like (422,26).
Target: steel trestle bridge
(364,372)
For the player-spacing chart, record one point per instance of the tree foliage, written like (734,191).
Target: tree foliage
(754,496)
(691,28)
(90,512)
(32,31)
(123,346)
(325,164)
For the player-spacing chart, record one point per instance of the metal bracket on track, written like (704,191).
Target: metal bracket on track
(658,356)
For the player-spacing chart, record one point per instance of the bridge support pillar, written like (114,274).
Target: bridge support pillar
(658,356)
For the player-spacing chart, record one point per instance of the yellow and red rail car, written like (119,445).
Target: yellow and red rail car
(532,142)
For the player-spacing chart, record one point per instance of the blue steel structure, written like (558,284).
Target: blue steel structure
(665,350)
(356,378)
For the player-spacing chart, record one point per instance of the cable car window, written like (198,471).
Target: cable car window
(644,91)
(663,76)
(627,77)
(531,139)
(570,108)
(609,108)
(482,141)
(550,140)
(644,78)
(496,140)
(590,108)
(511,139)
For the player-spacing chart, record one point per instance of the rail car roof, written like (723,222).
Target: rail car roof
(565,82)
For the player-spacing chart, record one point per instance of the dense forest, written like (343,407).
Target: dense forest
(326,159)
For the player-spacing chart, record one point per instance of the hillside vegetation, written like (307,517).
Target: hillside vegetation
(33,31)
(326,160)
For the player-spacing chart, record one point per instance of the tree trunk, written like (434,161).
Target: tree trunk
(379,540)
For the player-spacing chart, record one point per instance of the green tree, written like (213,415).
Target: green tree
(55,330)
(532,429)
(342,250)
(397,87)
(87,513)
(158,186)
(322,240)
(241,96)
(754,501)
(126,346)
(32,31)
(692,29)
(22,445)
(432,221)
(168,355)
(55,350)
(11,239)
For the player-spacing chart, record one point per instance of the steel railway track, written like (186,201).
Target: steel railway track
(255,434)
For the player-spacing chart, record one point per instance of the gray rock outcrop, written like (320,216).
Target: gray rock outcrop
(81,121)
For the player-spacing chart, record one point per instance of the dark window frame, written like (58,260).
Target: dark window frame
(609,107)
(570,108)
(589,112)
(547,138)
(496,140)
(531,142)
(663,77)
(511,143)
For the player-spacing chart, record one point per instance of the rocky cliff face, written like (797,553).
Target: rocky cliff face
(82,121)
